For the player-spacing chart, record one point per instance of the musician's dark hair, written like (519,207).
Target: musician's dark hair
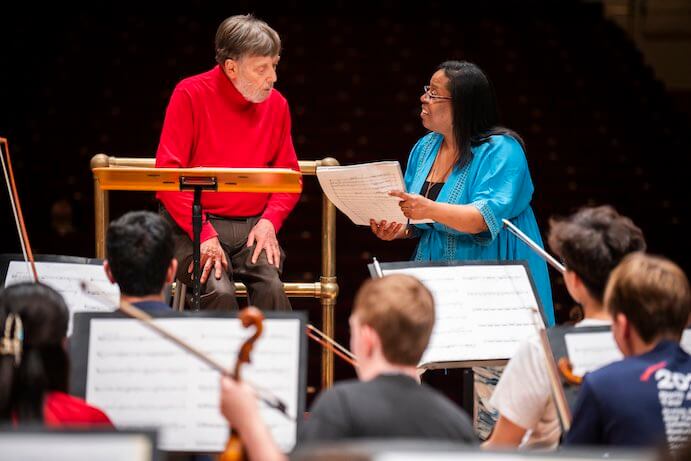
(592,241)
(44,365)
(653,294)
(140,248)
(474,108)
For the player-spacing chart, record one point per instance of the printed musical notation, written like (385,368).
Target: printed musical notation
(66,278)
(361,191)
(590,351)
(482,311)
(140,379)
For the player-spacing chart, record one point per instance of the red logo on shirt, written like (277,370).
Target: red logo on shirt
(652,369)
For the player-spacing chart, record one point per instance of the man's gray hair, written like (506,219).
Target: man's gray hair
(245,35)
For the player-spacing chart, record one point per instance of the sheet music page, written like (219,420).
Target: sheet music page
(590,351)
(361,191)
(143,380)
(66,279)
(482,312)
(483,455)
(76,446)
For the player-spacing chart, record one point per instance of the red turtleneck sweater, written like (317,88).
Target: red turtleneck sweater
(209,123)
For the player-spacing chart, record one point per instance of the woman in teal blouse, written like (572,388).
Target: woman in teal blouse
(468,174)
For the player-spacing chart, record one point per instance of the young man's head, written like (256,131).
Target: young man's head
(140,254)
(391,324)
(649,299)
(248,50)
(591,242)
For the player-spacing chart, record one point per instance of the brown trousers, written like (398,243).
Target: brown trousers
(264,286)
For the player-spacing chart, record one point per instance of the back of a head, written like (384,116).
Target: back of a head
(653,294)
(244,35)
(43,362)
(140,248)
(401,310)
(592,241)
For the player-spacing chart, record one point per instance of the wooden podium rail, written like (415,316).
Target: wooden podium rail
(326,289)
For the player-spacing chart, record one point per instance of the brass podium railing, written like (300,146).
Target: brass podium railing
(326,289)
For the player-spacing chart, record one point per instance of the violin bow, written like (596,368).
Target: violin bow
(17,208)
(560,402)
(551,260)
(266,396)
(329,343)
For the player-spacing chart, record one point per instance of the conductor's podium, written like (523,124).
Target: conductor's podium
(115,173)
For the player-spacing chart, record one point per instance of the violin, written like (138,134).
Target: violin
(248,317)
(566,370)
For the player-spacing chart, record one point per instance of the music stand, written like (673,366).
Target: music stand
(265,180)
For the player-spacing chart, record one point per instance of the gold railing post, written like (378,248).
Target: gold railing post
(328,279)
(101,207)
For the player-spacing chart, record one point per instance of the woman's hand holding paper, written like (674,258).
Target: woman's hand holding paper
(414,206)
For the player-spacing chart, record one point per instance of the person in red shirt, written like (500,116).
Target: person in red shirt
(232,117)
(34,364)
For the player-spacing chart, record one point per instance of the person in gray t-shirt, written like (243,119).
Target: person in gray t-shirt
(390,325)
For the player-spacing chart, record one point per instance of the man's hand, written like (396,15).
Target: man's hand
(265,235)
(212,256)
(414,206)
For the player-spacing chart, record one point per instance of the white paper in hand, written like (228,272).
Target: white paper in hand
(361,191)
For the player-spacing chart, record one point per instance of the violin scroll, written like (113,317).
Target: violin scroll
(248,316)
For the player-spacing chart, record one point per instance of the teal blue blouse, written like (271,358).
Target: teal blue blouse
(497,182)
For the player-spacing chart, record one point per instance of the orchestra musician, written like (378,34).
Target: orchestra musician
(641,400)
(140,259)
(590,242)
(391,324)
(231,116)
(34,365)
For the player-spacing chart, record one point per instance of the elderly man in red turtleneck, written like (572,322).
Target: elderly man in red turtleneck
(232,117)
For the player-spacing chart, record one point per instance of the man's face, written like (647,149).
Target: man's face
(253,76)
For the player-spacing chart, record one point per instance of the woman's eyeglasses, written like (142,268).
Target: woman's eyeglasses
(432,96)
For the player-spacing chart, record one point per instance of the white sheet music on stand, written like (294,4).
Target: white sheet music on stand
(361,191)
(66,279)
(592,350)
(71,446)
(142,380)
(483,312)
